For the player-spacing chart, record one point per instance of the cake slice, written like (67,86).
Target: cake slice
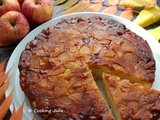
(68,92)
(131,101)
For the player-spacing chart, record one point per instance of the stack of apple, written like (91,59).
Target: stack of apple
(18,16)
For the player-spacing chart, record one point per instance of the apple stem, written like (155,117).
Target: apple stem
(13,24)
(36,2)
(0,2)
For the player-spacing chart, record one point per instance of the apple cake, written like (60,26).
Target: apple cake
(58,68)
(131,101)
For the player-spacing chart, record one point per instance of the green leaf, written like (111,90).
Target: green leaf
(148,16)
(155,32)
(136,3)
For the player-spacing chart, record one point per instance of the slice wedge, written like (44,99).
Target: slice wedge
(131,101)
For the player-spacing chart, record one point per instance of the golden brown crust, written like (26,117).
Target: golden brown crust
(133,101)
(99,42)
(68,92)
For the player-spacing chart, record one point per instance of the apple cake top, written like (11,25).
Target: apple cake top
(104,45)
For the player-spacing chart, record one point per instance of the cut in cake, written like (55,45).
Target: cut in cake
(131,101)
(104,45)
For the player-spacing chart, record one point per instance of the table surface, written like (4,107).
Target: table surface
(6,51)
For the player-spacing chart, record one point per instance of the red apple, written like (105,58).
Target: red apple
(9,5)
(37,11)
(13,27)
